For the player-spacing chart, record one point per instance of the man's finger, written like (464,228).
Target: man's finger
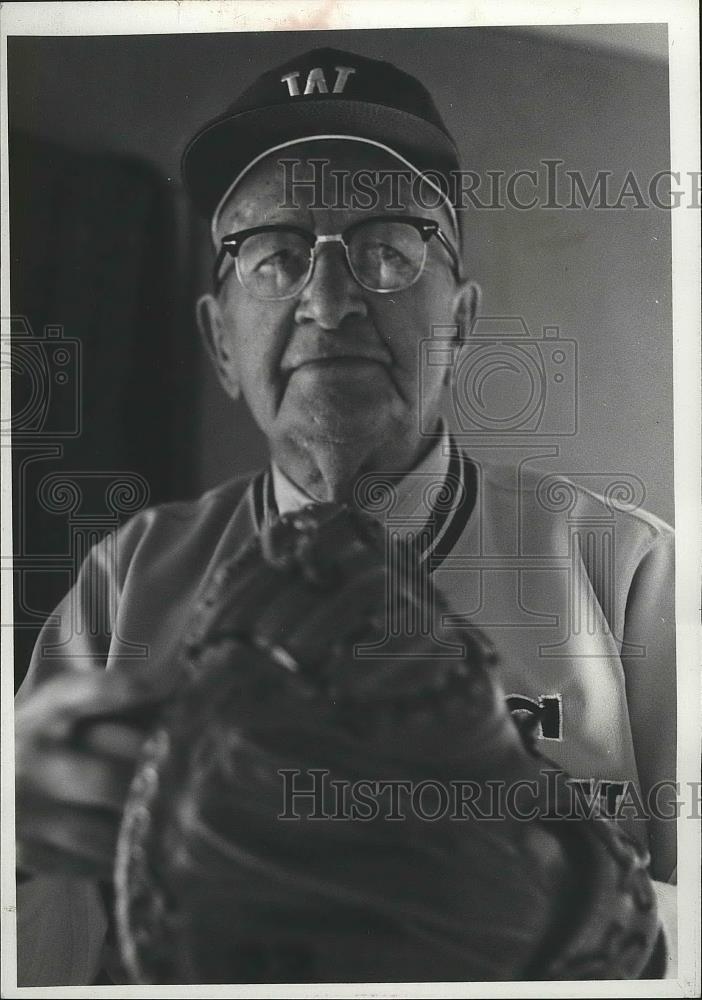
(74,778)
(79,841)
(85,695)
(112,739)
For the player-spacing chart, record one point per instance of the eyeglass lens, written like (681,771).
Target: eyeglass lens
(383,256)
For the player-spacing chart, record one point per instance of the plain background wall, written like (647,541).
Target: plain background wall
(511,98)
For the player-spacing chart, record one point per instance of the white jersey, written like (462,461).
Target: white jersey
(576,593)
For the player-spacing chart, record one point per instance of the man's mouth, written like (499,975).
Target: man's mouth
(349,367)
(339,361)
(314,359)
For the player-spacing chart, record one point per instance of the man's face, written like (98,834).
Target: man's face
(337,364)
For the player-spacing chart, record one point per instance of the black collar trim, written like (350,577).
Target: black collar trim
(444,529)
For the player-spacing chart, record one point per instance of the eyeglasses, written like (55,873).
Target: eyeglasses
(384,254)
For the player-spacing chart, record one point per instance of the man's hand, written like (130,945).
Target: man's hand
(78,736)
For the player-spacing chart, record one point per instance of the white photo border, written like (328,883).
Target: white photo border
(196,16)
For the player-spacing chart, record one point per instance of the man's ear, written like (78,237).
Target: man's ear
(466,304)
(209,321)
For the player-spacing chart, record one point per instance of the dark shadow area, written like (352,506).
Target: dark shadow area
(103,393)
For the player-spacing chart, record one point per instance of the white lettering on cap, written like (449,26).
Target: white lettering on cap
(316,81)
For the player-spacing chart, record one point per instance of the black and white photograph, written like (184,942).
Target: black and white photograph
(350,480)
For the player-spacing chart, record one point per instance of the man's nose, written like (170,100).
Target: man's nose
(332,293)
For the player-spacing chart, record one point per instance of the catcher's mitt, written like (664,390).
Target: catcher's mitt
(213,886)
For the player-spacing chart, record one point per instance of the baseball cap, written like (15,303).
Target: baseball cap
(323,93)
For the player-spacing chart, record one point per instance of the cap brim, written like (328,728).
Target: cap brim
(223,149)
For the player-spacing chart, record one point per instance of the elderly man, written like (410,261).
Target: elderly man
(322,296)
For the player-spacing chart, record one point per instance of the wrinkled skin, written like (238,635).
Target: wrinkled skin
(329,421)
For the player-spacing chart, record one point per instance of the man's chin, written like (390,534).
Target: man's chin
(339,412)
(327,430)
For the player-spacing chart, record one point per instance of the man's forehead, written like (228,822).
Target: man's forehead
(341,176)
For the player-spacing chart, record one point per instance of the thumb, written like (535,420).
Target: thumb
(114,718)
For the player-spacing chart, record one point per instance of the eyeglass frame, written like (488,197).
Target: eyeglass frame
(232,242)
